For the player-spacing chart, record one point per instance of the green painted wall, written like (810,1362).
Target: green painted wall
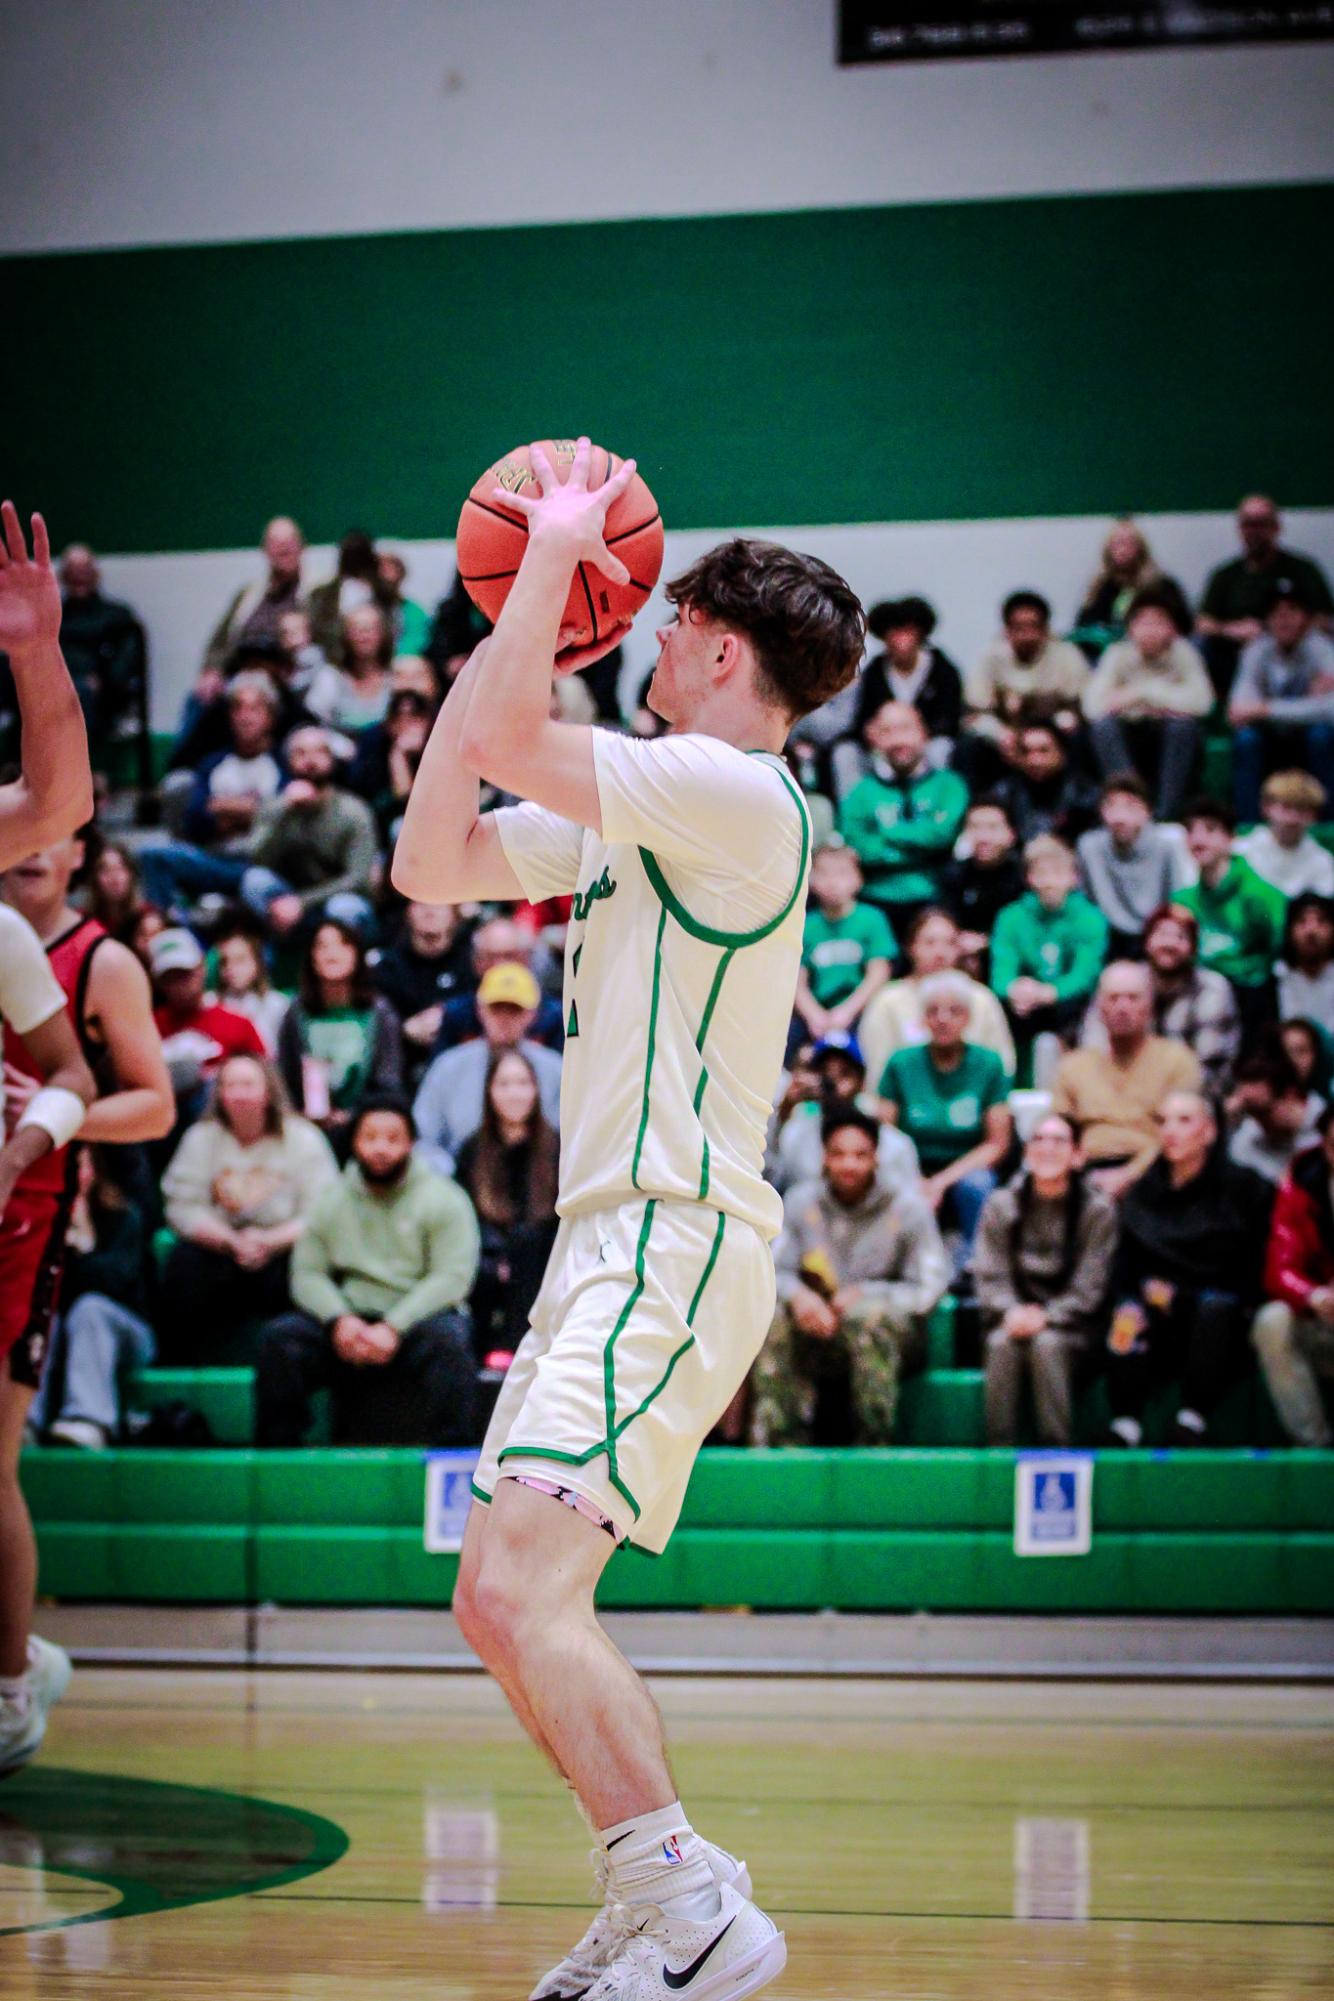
(981,359)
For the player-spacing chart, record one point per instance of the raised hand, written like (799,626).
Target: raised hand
(569,513)
(29,593)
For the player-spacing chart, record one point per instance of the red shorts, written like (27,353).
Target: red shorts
(32,1257)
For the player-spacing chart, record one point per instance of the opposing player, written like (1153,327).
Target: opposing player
(687,859)
(54,792)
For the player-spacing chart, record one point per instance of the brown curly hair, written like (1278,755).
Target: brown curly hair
(805,623)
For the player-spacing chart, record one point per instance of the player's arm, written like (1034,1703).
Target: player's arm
(56,1110)
(448,851)
(54,792)
(142,1105)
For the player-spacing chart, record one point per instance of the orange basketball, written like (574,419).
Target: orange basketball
(491,543)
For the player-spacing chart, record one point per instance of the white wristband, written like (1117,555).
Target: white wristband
(57,1111)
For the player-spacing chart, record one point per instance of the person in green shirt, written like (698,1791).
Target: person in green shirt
(847,947)
(950,1096)
(1240,915)
(903,818)
(1047,949)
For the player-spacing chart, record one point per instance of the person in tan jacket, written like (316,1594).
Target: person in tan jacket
(1145,701)
(1113,1096)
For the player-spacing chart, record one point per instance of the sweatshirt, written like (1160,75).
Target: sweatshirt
(1129,885)
(213,1178)
(1025,1258)
(1241,923)
(399,1256)
(903,830)
(888,1245)
(1208,1236)
(1064,947)
(1176,684)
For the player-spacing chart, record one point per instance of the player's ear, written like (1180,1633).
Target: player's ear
(728,656)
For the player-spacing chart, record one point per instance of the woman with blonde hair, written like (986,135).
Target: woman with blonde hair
(1127,566)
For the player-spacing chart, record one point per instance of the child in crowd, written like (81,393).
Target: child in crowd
(976,887)
(847,948)
(243,983)
(1048,948)
(1130,865)
(1283,851)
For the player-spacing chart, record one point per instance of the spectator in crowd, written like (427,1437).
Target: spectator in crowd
(238,1192)
(457,630)
(1306,961)
(1283,851)
(1240,917)
(100,1333)
(252,615)
(977,885)
(508,1168)
(356,583)
(1146,700)
(1041,1267)
(895,1018)
(1238,594)
(147,922)
(380,1281)
(1024,676)
(426,966)
(1293,1333)
(112,897)
(1130,866)
(339,1039)
(949,1095)
(910,670)
(1282,703)
(825,1077)
(1126,569)
(243,981)
(387,758)
(409,621)
(197,1032)
(847,947)
(319,840)
(206,726)
(1191,1005)
(1048,948)
(1043,793)
(453,1092)
(902,818)
(1113,1095)
(302,660)
(360,687)
(1272,1116)
(104,647)
(501,941)
(1306,1047)
(860,1268)
(1187,1277)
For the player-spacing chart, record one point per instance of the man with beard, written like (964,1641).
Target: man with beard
(379,1280)
(1191,1004)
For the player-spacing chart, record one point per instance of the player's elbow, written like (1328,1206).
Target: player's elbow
(162,1116)
(424,879)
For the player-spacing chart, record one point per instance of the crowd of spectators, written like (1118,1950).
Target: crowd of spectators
(1063,1037)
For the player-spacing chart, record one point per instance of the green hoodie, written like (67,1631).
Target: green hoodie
(1241,923)
(903,832)
(1064,947)
(398,1257)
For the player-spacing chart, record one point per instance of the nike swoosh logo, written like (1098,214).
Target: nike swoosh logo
(676,1981)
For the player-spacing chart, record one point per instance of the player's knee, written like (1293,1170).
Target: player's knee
(498,1604)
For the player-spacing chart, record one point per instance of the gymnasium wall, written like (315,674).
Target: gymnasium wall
(937,323)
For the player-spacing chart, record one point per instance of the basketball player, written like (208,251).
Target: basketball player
(54,792)
(687,857)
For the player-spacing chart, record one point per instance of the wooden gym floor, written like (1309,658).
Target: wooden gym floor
(392,1838)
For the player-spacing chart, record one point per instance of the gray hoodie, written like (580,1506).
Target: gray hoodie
(888,1245)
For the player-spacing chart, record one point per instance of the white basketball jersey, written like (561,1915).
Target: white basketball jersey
(680,969)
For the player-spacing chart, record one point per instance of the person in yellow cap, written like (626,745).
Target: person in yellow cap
(448,1106)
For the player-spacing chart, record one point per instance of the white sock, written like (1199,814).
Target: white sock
(1190,1420)
(657,1858)
(15,1693)
(1128,1428)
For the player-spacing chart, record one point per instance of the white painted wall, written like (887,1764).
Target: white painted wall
(165,121)
(964,568)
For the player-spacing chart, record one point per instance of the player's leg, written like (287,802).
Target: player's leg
(476,1633)
(18,1545)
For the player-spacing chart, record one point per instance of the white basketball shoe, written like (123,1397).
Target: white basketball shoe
(23,1723)
(715,1959)
(575,1975)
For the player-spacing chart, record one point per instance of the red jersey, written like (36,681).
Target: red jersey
(71,956)
(210,1035)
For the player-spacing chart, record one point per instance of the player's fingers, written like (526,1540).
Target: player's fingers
(620,479)
(41,541)
(583,459)
(502,497)
(548,478)
(15,547)
(611,566)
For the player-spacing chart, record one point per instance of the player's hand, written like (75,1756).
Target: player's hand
(570,659)
(570,512)
(29,593)
(20,1090)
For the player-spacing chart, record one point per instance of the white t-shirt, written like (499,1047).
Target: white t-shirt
(1308,866)
(681,966)
(30,993)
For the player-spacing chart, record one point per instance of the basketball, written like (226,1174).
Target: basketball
(491,543)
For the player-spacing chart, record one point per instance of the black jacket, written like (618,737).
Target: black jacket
(1208,1236)
(975,896)
(940,703)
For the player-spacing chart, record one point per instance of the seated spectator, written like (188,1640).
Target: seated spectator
(339,1039)
(902,818)
(104,647)
(355,694)
(847,946)
(1284,852)
(1113,1096)
(895,1018)
(501,941)
(380,1282)
(860,1269)
(100,1333)
(1048,948)
(1190,1004)
(355,583)
(238,1192)
(1130,866)
(319,839)
(1024,676)
(1306,961)
(302,660)
(198,1034)
(1145,702)
(148,922)
(827,1077)
(387,758)
(1282,704)
(909,670)
(977,885)
(243,981)
(1240,917)
(112,894)
(949,1096)
(1239,594)
(206,726)
(253,614)
(508,1169)
(1294,1333)
(452,1095)
(1041,1267)
(1127,568)
(1042,791)
(1304,1045)
(409,621)
(1186,1281)
(425,967)
(1272,1115)
(457,630)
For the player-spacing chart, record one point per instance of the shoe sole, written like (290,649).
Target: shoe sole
(57,1671)
(740,1883)
(744,1976)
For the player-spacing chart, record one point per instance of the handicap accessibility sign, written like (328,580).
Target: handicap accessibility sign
(1053,1504)
(448,1499)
